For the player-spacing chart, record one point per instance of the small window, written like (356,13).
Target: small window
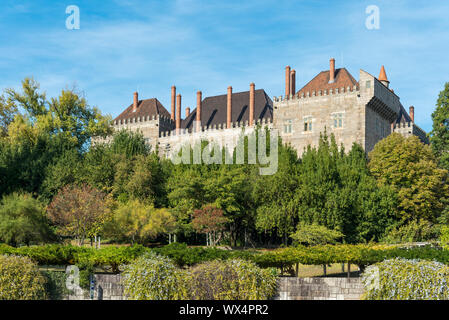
(308,124)
(338,120)
(288,126)
(368,84)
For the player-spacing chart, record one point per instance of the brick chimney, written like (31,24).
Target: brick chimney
(198,111)
(412,113)
(187,112)
(178,113)
(251,102)
(332,71)
(287,81)
(173,101)
(136,101)
(293,82)
(229,108)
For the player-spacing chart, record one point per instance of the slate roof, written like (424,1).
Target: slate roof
(145,108)
(343,79)
(214,109)
(403,116)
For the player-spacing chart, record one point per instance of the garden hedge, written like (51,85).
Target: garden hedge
(114,257)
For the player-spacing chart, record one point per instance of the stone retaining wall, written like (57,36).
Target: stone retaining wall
(109,287)
(319,289)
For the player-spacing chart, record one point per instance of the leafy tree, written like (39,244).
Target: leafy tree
(79,211)
(410,168)
(315,235)
(129,143)
(139,222)
(211,221)
(439,136)
(23,220)
(414,231)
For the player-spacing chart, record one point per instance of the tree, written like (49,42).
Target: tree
(211,221)
(23,220)
(313,234)
(79,211)
(138,221)
(410,168)
(439,136)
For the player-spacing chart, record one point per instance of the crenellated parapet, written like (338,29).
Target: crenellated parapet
(409,128)
(214,128)
(319,93)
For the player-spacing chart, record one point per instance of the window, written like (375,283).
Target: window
(308,124)
(368,84)
(337,120)
(288,126)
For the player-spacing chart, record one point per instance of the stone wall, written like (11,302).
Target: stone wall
(319,289)
(108,287)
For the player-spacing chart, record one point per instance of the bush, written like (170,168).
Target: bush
(153,277)
(231,280)
(55,284)
(414,231)
(314,234)
(401,279)
(20,279)
(23,221)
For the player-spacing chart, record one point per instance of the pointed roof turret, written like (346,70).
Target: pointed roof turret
(383,77)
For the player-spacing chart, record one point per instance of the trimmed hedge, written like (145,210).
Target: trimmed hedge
(114,257)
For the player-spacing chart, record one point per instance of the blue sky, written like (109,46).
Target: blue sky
(148,46)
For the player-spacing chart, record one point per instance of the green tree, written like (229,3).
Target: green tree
(23,221)
(315,235)
(410,168)
(439,136)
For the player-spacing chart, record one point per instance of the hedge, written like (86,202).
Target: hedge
(114,257)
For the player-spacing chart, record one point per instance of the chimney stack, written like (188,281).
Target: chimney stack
(251,102)
(187,112)
(229,108)
(136,101)
(173,101)
(178,113)
(198,111)
(293,82)
(287,81)
(332,71)
(412,113)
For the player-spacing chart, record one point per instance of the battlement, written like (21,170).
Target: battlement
(214,128)
(163,119)
(318,93)
(409,128)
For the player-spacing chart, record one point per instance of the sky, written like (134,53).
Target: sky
(148,46)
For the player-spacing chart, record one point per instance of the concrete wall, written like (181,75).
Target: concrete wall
(109,287)
(319,289)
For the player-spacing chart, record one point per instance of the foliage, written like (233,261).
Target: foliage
(414,231)
(23,220)
(153,277)
(401,279)
(20,279)
(78,211)
(409,166)
(439,136)
(444,237)
(129,143)
(138,222)
(209,220)
(231,280)
(315,235)
(55,284)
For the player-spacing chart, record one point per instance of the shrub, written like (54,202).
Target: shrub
(20,279)
(401,279)
(23,220)
(414,231)
(153,277)
(314,234)
(231,280)
(55,284)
